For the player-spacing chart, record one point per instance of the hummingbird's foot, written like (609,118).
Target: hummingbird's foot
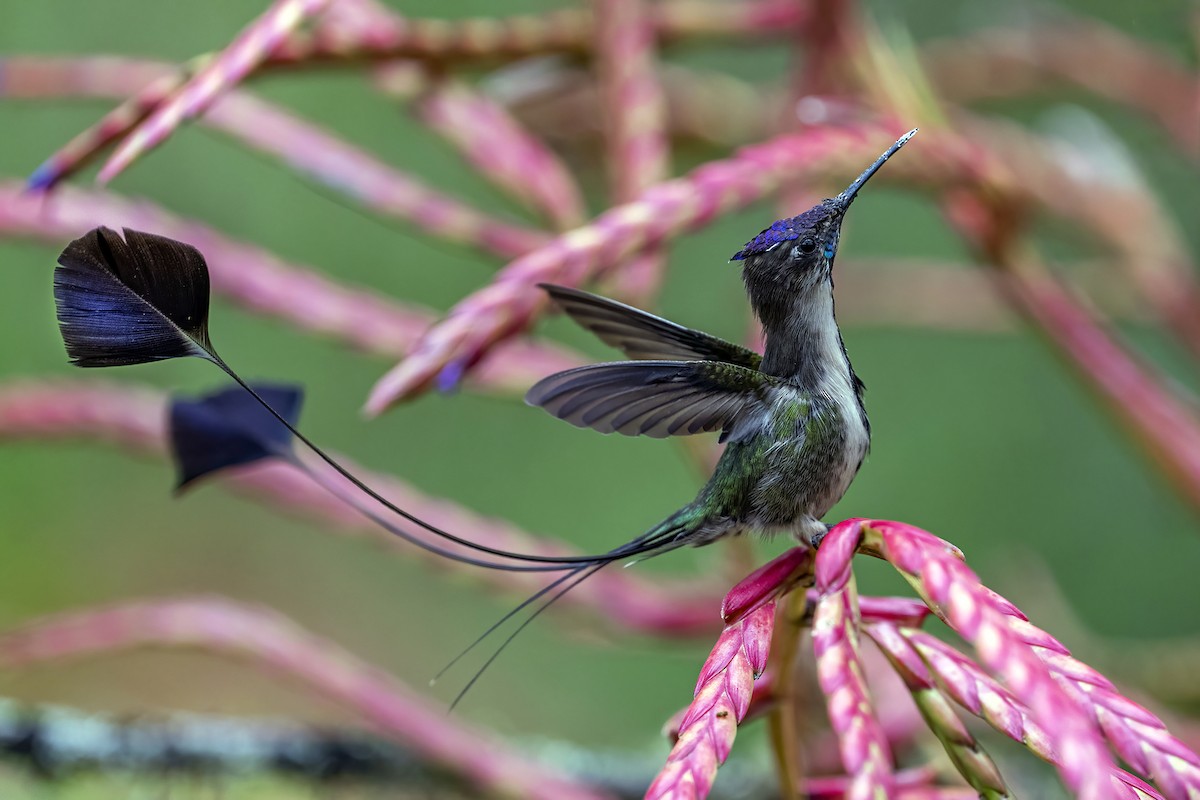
(820,537)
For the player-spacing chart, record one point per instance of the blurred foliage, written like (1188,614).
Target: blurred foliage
(983,439)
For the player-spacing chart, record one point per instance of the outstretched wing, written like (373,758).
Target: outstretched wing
(644,336)
(652,398)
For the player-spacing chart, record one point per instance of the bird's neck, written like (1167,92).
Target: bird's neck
(803,343)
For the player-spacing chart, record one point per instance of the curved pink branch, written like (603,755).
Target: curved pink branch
(504,151)
(277,644)
(261,282)
(976,691)
(251,47)
(633,99)
(1164,424)
(510,303)
(126,415)
(866,754)
(556,31)
(722,699)
(634,112)
(990,623)
(143,85)
(135,418)
(1120,213)
(312,151)
(1161,422)
(1084,53)
(301,145)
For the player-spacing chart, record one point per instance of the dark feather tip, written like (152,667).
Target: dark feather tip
(230,428)
(131,300)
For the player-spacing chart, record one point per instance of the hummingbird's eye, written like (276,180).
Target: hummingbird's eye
(807,245)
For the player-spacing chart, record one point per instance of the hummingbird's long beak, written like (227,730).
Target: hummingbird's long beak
(847,197)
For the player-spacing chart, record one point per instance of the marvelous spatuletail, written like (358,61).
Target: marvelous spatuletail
(793,421)
(140,298)
(792,418)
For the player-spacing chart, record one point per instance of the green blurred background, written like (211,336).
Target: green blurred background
(981,438)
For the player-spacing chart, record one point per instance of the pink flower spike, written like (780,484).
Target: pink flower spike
(252,46)
(864,747)
(762,701)
(835,553)
(1138,736)
(976,691)
(277,644)
(159,84)
(955,593)
(722,699)
(766,583)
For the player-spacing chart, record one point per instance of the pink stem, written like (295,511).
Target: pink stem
(634,110)
(301,145)
(280,646)
(556,31)
(261,282)
(252,46)
(144,85)
(504,151)
(1133,392)
(1083,53)
(722,699)
(1138,397)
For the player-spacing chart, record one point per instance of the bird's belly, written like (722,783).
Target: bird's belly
(803,477)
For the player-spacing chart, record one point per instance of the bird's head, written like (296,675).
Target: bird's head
(797,253)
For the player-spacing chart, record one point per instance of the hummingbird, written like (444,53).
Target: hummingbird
(792,419)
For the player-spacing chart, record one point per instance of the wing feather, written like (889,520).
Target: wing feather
(653,398)
(644,336)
